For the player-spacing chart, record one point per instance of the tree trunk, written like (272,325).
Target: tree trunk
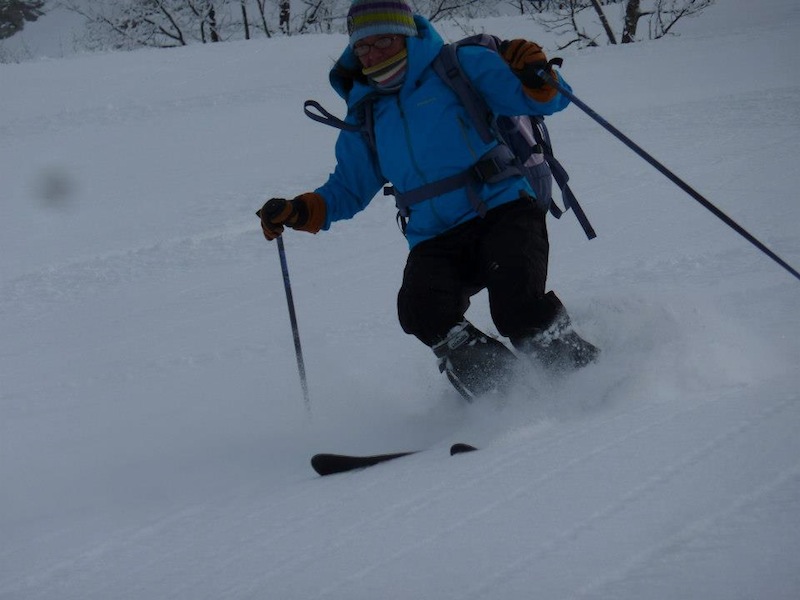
(261,11)
(632,14)
(285,14)
(212,24)
(245,21)
(609,32)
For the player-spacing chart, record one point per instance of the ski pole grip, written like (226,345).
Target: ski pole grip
(547,77)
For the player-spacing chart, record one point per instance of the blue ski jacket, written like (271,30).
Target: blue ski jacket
(424,134)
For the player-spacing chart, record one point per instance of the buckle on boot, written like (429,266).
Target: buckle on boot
(456,337)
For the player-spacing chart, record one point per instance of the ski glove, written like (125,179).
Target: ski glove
(525,59)
(306,212)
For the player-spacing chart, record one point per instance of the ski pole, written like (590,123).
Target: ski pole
(293,319)
(667,173)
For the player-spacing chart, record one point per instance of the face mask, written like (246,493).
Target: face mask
(390,74)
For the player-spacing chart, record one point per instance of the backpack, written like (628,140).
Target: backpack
(524,147)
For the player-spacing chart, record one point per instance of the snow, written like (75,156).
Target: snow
(153,438)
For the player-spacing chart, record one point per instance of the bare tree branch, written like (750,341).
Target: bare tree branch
(609,32)
(669,12)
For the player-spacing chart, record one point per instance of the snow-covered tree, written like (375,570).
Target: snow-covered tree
(663,14)
(15,13)
(573,19)
(441,9)
(128,24)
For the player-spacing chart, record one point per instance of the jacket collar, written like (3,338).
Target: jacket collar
(348,81)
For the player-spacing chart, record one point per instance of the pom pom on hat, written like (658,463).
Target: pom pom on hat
(377,17)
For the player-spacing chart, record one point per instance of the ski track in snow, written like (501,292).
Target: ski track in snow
(671,548)
(650,418)
(510,460)
(625,500)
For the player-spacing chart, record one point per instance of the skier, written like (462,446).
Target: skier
(460,242)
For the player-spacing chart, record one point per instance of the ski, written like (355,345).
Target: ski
(461,449)
(330,464)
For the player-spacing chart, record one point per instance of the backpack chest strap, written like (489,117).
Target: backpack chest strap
(496,165)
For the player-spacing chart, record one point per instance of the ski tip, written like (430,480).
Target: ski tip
(461,449)
(319,463)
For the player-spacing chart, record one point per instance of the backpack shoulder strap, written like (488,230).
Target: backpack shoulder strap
(365,125)
(448,67)
(561,177)
(325,117)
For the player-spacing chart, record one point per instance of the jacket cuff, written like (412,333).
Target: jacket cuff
(544,93)
(315,211)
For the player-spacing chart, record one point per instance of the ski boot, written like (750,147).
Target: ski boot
(559,348)
(475,363)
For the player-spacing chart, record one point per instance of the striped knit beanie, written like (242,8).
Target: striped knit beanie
(376,17)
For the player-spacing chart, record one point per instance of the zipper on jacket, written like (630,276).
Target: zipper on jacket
(464,133)
(407,131)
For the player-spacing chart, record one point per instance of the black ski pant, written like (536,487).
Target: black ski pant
(506,252)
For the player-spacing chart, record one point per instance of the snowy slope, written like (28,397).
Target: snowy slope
(153,439)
